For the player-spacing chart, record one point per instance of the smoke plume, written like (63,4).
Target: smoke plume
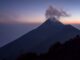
(53,12)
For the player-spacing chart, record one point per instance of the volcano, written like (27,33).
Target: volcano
(39,40)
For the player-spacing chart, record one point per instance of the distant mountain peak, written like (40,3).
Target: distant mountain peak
(54,20)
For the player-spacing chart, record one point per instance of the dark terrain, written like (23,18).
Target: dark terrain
(70,50)
(40,40)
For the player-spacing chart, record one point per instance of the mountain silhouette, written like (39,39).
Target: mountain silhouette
(39,40)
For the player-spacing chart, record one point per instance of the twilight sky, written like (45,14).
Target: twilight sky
(18,17)
(33,11)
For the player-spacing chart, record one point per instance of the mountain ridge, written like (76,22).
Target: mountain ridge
(42,37)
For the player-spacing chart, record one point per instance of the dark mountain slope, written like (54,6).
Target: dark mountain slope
(39,40)
(30,40)
(69,50)
(61,36)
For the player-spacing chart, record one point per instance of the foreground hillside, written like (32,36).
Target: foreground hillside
(70,50)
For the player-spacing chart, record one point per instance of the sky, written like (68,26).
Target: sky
(18,17)
(33,11)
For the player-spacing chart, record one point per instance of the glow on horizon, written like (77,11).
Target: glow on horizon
(39,19)
(74,19)
(70,21)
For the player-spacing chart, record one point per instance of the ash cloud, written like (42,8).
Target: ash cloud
(53,12)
